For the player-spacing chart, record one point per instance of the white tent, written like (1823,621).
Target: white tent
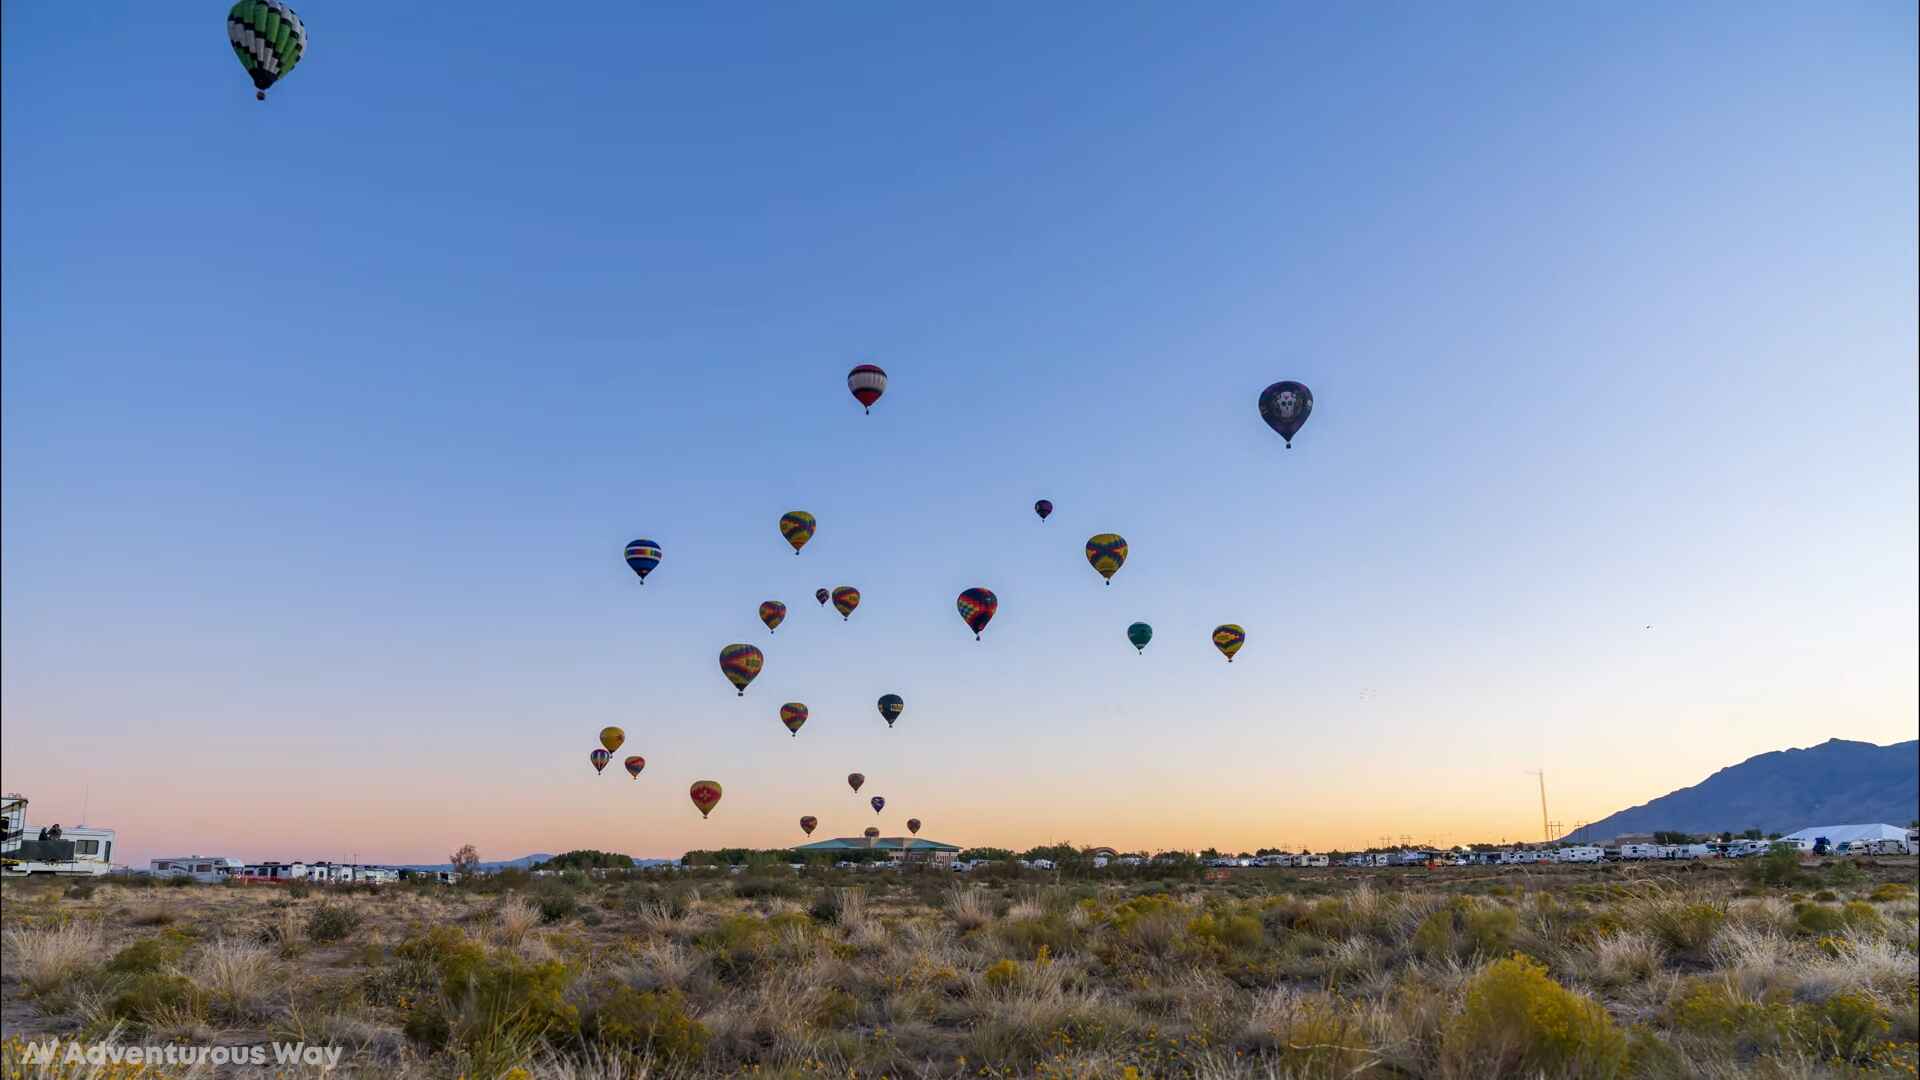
(1841,834)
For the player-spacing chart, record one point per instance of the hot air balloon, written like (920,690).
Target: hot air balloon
(1107,553)
(611,738)
(705,795)
(797,526)
(643,556)
(1140,633)
(808,824)
(740,663)
(268,38)
(793,714)
(845,599)
(877,803)
(891,706)
(599,759)
(1044,508)
(913,825)
(867,383)
(1285,407)
(773,613)
(977,606)
(871,834)
(634,765)
(1228,638)
(822,595)
(854,780)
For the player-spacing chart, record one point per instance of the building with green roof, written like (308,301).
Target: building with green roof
(899,848)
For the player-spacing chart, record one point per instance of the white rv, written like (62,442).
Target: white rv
(208,869)
(1579,853)
(1641,851)
(79,851)
(1310,860)
(1687,851)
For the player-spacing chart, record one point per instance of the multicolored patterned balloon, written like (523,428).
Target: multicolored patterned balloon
(871,834)
(1285,407)
(891,706)
(1228,638)
(599,759)
(1139,634)
(797,526)
(913,825)
(877,803)
(822,595)
(634,765)
(793,714)
(1107,553)
(854,780)
(977,606)
(867,383)
(773,613)
(1044,508)
(643,556)
(845,599)
(268,38)
(705,795)
(808,824)
(740,663)
(611,738)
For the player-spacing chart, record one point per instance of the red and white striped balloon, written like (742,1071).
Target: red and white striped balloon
(867,382)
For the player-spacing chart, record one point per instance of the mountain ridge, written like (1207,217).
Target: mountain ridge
(1838,782)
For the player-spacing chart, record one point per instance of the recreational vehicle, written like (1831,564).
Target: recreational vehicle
(79,851)
(207,869)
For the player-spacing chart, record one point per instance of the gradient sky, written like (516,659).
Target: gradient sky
(326,420)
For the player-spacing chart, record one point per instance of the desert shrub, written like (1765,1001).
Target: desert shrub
(734,945)
(555,905)
(1845,873)
(1229,933)
(47,958)
(650,1021)
(493,1002)
(1860,915)
(448,954)
(1779,866)
(299,890)
(767,888)
(831,1009)
(1891,892)
(1002,974)
(1816,920)
(970,906)
(1826,896)
(79,890)
(155,914)
(1715,1009)
(1847,1026)
(153,998)
(1685,927)
(144,957)
(181,883)
(1316,1036)
(332,922)
(1028,936)
(1465,928)
(1516,1020)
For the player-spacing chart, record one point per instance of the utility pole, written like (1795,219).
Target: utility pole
(1546,828)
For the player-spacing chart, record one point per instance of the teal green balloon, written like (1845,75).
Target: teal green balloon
(268,38)
(1140,633)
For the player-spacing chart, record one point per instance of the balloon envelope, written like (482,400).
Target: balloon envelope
(773,613)
(977,606)
(1107,553)
(854,780)
(913,825)
(634,765)
(269,40)
(793,714)
(1140,633)
(599,759)
(611,738)
(1228,638)
(705,795)
(867,382)
(1044,508)
(822,595)
(845,599)
(740,663)
(797,526)
(891,706)
(808,824)
(877,803)
(871,833)
(1285,407)
(643,556)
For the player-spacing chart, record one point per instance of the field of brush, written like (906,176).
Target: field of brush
(1775,968)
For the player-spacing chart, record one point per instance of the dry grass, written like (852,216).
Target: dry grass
(1324,975)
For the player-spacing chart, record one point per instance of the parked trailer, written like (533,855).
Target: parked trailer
(24,851)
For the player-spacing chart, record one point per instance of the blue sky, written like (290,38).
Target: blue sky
(326,419)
